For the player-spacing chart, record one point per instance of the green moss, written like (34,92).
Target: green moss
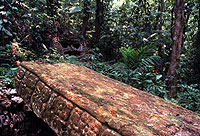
(121,112)
(97,100)
(60,81)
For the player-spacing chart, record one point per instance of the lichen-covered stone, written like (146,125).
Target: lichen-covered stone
(75,101)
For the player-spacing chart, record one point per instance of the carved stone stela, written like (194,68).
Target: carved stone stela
(76,101)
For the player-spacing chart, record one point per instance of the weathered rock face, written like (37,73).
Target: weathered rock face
(74,100)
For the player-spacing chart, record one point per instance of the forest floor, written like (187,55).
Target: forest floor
(17,119)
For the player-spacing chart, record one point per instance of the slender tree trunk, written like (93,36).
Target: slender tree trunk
(198,33)
(157,18)
(199,17)
(145,8)
(98,19)
(176,47)
(160,52)
(172,22)
(85,18)
(84,27)
(145,5)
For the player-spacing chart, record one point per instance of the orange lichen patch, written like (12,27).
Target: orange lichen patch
(94,104)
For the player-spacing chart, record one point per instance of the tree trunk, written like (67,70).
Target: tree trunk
(157,18)
(145,8)
(84,27)
(98,20)
(160,52)
(196,65)
(199,17)
(85,18)
(176,47)
(172,22)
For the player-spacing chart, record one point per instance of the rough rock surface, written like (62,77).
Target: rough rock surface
(74,100)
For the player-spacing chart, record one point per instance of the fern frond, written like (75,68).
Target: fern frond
(132,58)
(150,61)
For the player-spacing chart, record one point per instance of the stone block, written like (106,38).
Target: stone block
(76,101)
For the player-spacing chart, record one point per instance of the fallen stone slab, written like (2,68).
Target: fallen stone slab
(76,101)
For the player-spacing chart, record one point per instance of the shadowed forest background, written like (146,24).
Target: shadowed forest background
(152,45)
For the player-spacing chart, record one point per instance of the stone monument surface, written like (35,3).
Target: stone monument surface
(76,101)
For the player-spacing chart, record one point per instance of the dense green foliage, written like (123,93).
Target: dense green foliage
(134,44)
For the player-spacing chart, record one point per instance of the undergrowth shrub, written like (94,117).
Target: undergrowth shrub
(188,97)
(150,81)
(52,57)
(133,58)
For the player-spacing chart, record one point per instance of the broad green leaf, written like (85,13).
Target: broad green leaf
(2,68)
(148,74)
(3,12)
(14,8)
(134,5)
(75,10)
(182,55)
(2,54)
(5,20)
(164,32)
(14,69)
(134,78)
(1,7)
(158,77)
(7,32)
(1,77)
(156,13)
(148,81)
